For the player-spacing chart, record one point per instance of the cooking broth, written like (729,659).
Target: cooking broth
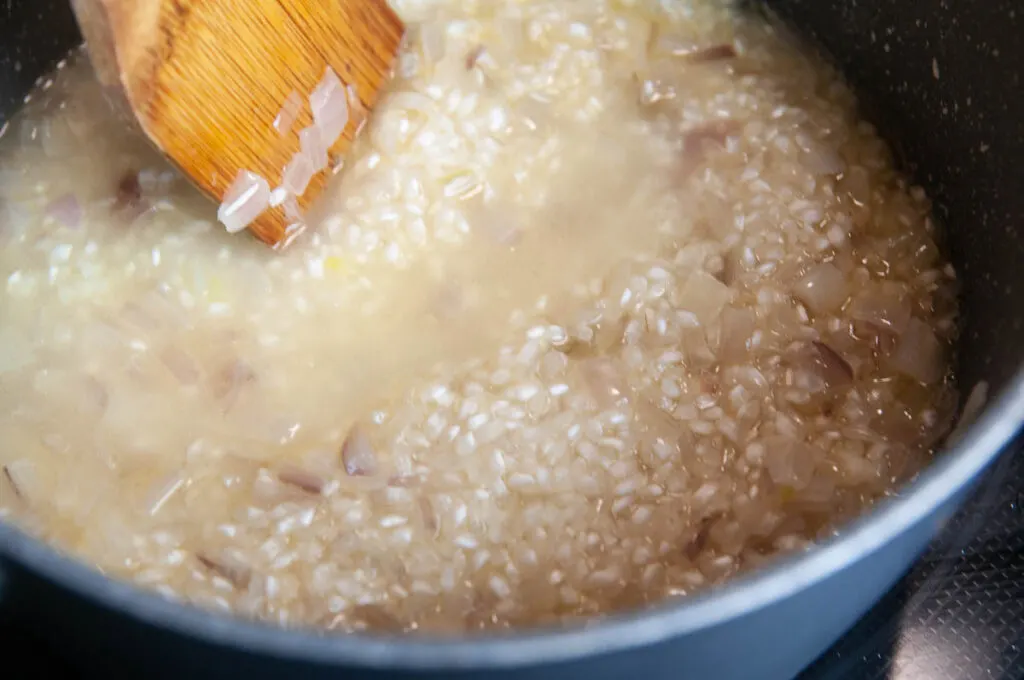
(611,301)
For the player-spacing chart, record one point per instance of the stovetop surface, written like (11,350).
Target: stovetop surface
(958,615)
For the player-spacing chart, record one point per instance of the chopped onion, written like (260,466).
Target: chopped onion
(246,198)
(292,210)
(823,289)
(278,196)
(23,476)
(356,108)
(429,514)
(66,210)
(473,56)
(129,191)
(357,454)
(288,113)
(824,160)
(714,133)
(267,490)
(301,479)
(605,380)
(329,102)
(432,41)
(818,367)
(9,475)
(790,462)
(919,354)
(884,305)
(233,570)
(291,232)
(312,145)
(711,53)
(834,368)
(698,141)
(228,383)
(700,539)
(704,295)
(297,174)
(182,366)
(736,328)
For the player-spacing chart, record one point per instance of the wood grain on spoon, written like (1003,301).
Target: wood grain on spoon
(206,80)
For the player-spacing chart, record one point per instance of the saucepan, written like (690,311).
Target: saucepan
(942,82)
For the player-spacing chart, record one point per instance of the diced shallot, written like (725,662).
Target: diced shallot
(292,210)
(824,160)
(818,367)
(474,55)
(301,479)
(919,354)
(21,476)
(704,295)
(329,102)
(605,380)
(227,567)
(313,146)
(834,368)
(129,191)
(297,174)
(823,288)
(710,53)
(12,482)
(246,198)
(432,41)
(278,196)
(227,384)
(357,454)
(182,366)
(736,328)
(429,514)
(288,113)
(790,462)
(700,539)
(885,305)
(66,210)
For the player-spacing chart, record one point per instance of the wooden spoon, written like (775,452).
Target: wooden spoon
(241,94)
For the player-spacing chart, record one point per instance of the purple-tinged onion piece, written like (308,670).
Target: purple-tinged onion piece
(66,210)
(357,454)
(246,198)
(329,102)
(288,113)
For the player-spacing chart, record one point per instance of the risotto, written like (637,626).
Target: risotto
(611,301)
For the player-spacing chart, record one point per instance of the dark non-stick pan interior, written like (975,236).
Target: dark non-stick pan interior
(942,81)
